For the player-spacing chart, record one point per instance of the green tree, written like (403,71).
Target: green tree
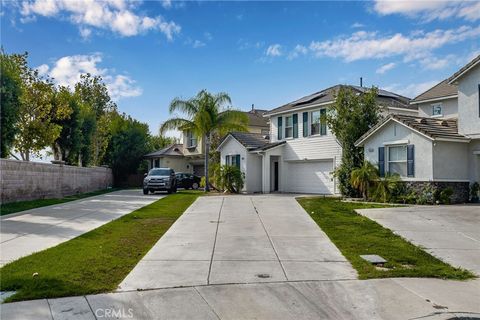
(159,142)
(205,115)
(93,93)
(10,92)
(36,128)
(385,186)
(127,145)
(349,118)
(68,145)
(364,177)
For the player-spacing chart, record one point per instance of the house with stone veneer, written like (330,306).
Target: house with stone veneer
(440,146)
(300,153)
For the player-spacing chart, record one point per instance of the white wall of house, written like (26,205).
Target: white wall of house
(233,147)
(394,133)
(450,161)
(268,155)
(468,103)
(474,160)
(449,108)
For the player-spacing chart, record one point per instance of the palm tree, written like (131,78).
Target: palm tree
(362,178)
(385,186)
(205,114)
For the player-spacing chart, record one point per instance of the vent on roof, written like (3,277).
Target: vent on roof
(176,149)
(444,123)
(422,121)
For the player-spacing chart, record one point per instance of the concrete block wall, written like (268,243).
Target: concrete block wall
(21,180)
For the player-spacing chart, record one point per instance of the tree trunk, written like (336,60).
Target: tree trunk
(207,151)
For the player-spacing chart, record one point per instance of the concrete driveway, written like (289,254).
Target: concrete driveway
(240,239)
(26,232)
(451,233)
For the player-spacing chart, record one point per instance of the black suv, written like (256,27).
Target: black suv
(188,181)
(160,179)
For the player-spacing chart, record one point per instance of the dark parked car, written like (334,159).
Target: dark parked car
(160,179)
(188,181)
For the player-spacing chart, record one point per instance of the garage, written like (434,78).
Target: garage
(309,177)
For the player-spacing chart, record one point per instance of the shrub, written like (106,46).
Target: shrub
(427,195)
(474,190)
(445,196)
(402,193)
(385,186)
(364,177)
(228,178)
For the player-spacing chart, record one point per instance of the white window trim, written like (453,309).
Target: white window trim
(310,122)
(285,126)
(190,137)
(433,105)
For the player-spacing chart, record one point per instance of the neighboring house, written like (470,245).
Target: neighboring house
(301,153)
(189,156)
(441,147)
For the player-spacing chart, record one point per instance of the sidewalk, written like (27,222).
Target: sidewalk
(26,232)
(351,299)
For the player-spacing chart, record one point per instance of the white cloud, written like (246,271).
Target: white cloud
(198,44)
(412,90)
(369,45)
(357,25)
(85,33)
(66,71)
(297,51)
(386,67)
(117,16)
(274,50)
(167,4)
(430,10)
(43,70)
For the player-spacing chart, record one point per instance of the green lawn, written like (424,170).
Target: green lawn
(13,207)
(356,235)
(96,261)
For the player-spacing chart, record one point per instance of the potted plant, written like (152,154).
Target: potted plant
(474,188)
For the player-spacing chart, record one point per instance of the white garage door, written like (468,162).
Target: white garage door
(310,177)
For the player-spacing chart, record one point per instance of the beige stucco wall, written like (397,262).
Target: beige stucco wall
(449,108)
(468,103)
(21,180)
(450,161)
(178,164)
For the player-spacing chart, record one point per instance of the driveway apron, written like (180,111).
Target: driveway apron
(240,239)
(29,231)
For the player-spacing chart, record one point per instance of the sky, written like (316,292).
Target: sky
(263,53)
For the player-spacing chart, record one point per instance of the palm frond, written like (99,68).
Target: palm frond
(221,99)
(188,107)
(176,124)
(233,120)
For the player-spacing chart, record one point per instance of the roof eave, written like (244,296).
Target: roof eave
(454,78)
(434,99)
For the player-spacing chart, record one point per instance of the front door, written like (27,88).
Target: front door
(275,176)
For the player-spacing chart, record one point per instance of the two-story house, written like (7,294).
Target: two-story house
(441,146)
(301,152)
(189,156)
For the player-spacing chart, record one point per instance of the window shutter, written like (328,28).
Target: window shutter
(295,125)
(410,160)
(305,124)
(381,161)
(279,128)
(323,122)
(237,161)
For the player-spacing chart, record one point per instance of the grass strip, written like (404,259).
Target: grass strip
(18,206)
(356,235)
(96,261)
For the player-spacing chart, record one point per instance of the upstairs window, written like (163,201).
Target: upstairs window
(289,127)
(437,109)
(318,124)
(191,140)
